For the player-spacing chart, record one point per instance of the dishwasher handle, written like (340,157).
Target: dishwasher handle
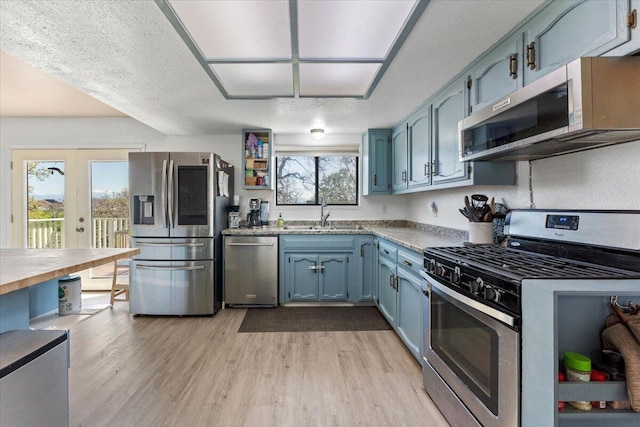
(250,244)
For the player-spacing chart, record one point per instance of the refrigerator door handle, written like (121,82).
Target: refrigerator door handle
(164,193)
(169,268)
(170,245)
(170,191)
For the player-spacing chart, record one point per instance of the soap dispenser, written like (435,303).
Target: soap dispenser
(280,220)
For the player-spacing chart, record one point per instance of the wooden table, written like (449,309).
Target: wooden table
(24,268)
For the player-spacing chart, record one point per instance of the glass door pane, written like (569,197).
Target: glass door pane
(109,208)
(45,205)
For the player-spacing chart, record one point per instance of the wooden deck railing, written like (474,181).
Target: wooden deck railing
(49,233)
(45,233)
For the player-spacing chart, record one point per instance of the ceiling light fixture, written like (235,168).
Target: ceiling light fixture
(327,50)
(317,134)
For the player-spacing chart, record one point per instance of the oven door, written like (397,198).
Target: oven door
(477,356)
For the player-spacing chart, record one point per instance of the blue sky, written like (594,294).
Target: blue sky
(106,177)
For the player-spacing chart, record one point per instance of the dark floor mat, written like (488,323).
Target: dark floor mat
(310,319)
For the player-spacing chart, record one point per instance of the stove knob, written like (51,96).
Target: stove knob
(478,286)
(492,294)
(456,276)
(440,270)
(431,266)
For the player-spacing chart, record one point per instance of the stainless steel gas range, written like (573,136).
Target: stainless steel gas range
(472,308)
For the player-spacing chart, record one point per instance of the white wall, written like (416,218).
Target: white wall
(603,178)
(34,133)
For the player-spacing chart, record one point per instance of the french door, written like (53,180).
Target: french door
(70,199)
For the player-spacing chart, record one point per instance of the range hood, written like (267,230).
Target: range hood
(588,103)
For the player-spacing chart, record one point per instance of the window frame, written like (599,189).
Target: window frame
(316,158)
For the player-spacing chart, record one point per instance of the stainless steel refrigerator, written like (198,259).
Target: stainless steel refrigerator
(178,208)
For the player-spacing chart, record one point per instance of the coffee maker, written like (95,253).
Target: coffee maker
(264,213)
(253,218)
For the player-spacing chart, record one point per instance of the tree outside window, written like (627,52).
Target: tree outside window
(303,180)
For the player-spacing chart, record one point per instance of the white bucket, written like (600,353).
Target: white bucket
(481,232)
(69,295)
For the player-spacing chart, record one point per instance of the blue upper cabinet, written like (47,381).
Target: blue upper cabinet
(376,162)
(566,30)
(419,147)
(448,109)
(399,169)
(497,74)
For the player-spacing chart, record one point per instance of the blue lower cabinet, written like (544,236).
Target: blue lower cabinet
(366,277)
(333,277)
(387,295)
(320,268)
(302,277)
(409,315)
(400,293)
(317,277)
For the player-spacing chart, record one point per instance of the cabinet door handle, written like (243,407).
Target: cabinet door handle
(375,179)
(434,168)
(386,251)
(531,55)
(321,268)
(391,281)
(426,169)
(404,175)
(362,250)
(313,267)
(513,66)
(405,262)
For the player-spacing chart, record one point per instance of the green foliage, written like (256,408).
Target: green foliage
(115,205)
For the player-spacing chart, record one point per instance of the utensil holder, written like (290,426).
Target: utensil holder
(481,232)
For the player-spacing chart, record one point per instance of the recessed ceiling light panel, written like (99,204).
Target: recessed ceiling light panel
(257,80)
(338,48)
(350,29)
(336,79)
(247,29)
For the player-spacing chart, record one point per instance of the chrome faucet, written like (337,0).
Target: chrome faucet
(323,217)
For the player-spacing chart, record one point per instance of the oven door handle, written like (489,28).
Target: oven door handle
(462,299)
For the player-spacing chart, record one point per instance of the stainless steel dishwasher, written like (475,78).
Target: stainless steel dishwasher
(251,270)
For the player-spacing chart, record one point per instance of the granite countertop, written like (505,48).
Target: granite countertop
(408,234)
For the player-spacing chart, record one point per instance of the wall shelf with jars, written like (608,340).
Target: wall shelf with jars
(256,159)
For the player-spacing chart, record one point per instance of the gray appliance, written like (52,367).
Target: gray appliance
(34,388)
(251,270)
(476,349)
(178,208)
(588,103)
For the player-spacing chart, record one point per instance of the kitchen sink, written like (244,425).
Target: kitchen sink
(319,228)
(297,227)
(348,227)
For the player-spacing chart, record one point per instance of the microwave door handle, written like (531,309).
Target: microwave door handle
(466,301)
(163,201)
(170,193)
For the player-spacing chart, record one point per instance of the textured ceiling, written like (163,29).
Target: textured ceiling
(127,55)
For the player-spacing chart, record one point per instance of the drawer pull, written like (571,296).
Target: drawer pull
(405,262)
(386,251)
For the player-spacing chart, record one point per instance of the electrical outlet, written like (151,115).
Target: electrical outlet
(384,209)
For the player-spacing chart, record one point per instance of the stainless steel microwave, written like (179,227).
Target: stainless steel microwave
(588,103)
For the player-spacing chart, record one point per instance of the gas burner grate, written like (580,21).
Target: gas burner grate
(520,264)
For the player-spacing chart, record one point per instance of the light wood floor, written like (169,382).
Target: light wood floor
(198,371)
